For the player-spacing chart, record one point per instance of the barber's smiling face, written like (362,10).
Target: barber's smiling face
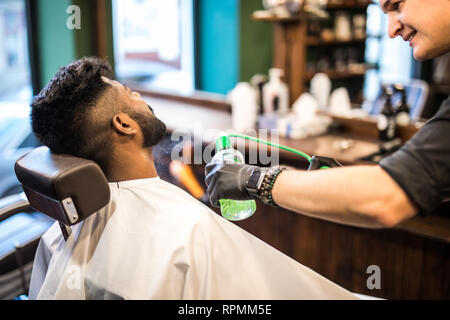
(425,24)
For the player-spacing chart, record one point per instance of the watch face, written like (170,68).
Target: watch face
(254,179)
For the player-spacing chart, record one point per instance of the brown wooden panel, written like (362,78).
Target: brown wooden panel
(360,252)
(297,57)
(279,47)
(446,278)
(335,256)
(272,225)
(306,245)
(375,256)
(432,275)
(282,221)
(393,266)
(100,44)
(290,54)
(300,236)
(412,267)
(412,271)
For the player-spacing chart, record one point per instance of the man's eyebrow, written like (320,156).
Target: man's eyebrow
(386,5)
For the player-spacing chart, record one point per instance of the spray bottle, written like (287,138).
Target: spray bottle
(232,210)
(386,118)
(239,210)
(276,93)
(402,116)
(258,82)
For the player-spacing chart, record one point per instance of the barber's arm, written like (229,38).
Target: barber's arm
(364,196)
(361,196)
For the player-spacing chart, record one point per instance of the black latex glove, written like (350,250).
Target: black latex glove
(230,181)
(319,162)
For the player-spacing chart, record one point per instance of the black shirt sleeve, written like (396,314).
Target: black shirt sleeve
(422,166)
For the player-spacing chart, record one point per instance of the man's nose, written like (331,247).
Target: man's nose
(394,26)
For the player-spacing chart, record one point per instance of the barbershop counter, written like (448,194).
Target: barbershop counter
(414,258)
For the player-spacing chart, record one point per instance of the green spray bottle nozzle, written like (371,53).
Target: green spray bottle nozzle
(223,142)
(225,139)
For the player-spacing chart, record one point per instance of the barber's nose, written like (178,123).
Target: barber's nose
(394,26)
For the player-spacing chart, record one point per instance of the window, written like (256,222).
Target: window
(15,82)
(15,92)
(154,43)
(393,56)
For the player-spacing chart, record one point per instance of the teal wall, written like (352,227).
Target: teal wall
(56,41)
(231,46)
(58,45)
(218,45)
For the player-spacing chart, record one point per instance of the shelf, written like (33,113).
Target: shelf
(338,75)
(353,6)
(296,18)
(292,44)
(316,41)
(304,15)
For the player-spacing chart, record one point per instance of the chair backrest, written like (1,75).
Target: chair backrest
(63,187)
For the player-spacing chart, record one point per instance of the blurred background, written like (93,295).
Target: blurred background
(186,57)
(189,48)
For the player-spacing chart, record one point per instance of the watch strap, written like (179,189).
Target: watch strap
(265,191)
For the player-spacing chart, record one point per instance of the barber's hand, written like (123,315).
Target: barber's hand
(229,181)
(319,162)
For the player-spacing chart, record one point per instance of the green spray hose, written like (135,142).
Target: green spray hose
(302,154)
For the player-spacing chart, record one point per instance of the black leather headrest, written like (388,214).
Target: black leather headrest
(66,188)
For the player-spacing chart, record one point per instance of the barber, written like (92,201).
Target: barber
(413,181)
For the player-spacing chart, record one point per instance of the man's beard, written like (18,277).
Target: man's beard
(152,128)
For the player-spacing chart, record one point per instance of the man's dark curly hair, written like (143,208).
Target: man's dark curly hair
(72,115)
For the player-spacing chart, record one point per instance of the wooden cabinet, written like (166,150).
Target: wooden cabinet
(301,53)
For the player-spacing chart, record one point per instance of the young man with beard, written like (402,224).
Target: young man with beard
(153,240)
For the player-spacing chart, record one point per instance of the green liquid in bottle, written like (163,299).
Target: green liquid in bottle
(235,210)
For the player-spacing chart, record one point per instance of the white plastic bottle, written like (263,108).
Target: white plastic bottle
(321,89)
(244,107)
(276,93)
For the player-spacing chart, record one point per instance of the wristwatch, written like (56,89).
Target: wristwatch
(261,182)
(254,183)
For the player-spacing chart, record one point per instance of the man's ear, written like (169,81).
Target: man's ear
(123,124)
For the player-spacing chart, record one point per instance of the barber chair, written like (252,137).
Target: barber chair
(21,227)
(64,189)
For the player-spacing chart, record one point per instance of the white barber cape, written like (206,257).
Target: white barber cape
(155,241)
